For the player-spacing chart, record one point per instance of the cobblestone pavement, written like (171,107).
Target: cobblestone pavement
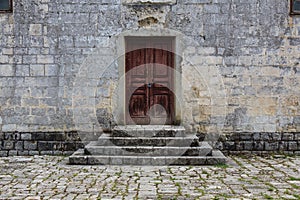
(46,177)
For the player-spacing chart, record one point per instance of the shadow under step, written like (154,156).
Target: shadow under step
(80,158)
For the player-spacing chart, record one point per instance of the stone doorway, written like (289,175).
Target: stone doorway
(149,67)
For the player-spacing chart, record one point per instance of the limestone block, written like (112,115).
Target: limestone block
(6,70)
(35,29)
(45,59)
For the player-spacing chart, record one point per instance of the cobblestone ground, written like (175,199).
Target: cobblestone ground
(46,177)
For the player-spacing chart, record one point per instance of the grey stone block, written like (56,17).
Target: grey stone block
(265,136)
(287,136)
(26,136)
(8,145)
(44,146)
(283,146)
(30,145)
(12,136)
(78,160)
(271,146)
(256,136)
(246,136)
(23,153)
(248,145)
(12,153)
(50,136)
(38,136)
(33,153)
(293,146)
(46,153)
(3,153)
(258,146)
(18,145)
(99,160)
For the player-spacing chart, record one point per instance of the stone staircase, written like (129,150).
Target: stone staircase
(147,145)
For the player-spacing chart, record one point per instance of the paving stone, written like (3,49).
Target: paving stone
(50,177)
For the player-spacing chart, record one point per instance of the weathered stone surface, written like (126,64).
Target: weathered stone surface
(241,57)
(248,177)
(149,2)
(125,147)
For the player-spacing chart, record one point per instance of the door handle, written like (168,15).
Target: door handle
(149,85)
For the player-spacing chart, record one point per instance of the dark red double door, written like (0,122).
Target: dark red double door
(149,80)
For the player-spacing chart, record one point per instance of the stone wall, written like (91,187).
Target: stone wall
(250,50)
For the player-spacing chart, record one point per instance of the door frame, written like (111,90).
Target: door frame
(149,41)
(120,115)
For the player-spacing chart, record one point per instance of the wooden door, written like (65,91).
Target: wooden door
(149,80)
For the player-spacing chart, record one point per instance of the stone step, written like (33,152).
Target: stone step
(186,141)
(80,158)
(148,145)
(94,149)
(148,131)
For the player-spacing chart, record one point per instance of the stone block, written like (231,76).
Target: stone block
(22,70)
(18,145)
(6,70)
(287,136)
(257,137)
(7,145)
(51,70)
(57,153)
(44,146)
(266,137)
(211,8)
(23,153)
(258,146)
(37,70)
(283,146)
(246,136)
(35,29)
(45,59)
(276,136)
(12,153)
(4,59)
(248,145)
(46,152)
(33,153)
(12,136)
(230,146)
(271,146)
(293,146)
(3,153)
(30,145)
(50,136)
(69,146)
(80,160)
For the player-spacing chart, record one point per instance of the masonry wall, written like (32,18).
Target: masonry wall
(252,45)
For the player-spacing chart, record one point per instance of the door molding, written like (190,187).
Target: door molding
(121,51)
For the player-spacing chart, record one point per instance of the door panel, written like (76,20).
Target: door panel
(149,80)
